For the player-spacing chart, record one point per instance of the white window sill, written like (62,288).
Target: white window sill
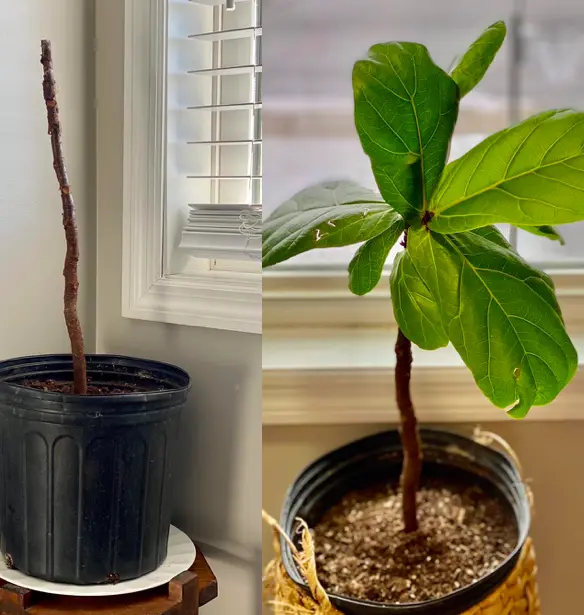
(325,376)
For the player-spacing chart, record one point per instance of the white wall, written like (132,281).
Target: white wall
(32,243)
(219,489)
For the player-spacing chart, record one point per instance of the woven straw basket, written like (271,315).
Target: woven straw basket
(518,595)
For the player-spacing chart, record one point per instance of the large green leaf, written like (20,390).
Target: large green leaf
(328,215)
(529,175)
(540,282)
(474,63)
(500,314)
(405,111)
(367,265)
(544,231)
(416,311)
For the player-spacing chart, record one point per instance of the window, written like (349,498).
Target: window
(214,127)
(193,163)
(308,120)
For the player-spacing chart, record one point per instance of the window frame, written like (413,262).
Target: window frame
(229,300)
(328,358)
(300,298)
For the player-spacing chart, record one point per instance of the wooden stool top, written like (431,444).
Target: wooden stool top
(182,596)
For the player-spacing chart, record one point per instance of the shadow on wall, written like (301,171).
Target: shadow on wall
(207,470)
(219,464)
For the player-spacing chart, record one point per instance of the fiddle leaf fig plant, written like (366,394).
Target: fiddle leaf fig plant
(457,281)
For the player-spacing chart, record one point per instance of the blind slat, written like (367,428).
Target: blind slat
(239,142)
(225,72)
(235,107)
(218,234)
(226,35)
(226,206)
(219,206)
(209,2)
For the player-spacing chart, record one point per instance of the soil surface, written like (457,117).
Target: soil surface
(466,531)
(54,386)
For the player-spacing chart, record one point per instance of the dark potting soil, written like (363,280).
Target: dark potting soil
(466,531)
(55,386)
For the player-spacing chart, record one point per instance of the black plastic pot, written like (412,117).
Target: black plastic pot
(378,458)
(85,481)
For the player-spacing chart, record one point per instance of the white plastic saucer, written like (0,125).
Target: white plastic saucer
(181,555)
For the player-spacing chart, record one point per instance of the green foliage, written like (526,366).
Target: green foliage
(499,313)
(531,174)
(457,281)
(543,231)
(416,309)
(405,111)
(367,265)
(329,215)
(474,63)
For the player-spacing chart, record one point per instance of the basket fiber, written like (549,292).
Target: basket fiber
(518,595)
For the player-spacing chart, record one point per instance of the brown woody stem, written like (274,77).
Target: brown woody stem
(412,466)
(69,224)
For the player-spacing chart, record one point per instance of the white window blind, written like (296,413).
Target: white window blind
(214,156)
(308,106)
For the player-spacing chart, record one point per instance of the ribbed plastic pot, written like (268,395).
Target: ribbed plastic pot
(379,458)
(86,481)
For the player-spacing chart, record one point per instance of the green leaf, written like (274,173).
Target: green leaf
(544,231)
(541,282)
(416,311)
(500,314)
(529,175)
(474,64)
(405,111)
(328,215)
(366,267)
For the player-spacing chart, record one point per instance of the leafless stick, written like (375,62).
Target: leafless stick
(69,224)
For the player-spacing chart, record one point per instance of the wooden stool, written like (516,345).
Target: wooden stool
(181,596)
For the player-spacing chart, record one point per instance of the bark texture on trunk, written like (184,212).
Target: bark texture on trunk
(69,224)
(412,466)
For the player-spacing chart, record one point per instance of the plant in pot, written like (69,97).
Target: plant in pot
(446,537)
(87,442)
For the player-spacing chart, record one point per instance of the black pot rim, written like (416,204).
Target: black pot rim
(493,580)
(181,385)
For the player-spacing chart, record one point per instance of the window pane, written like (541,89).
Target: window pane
(551,78)
(213,161)
(308,99)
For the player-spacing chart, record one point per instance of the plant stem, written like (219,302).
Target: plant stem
(412,465)
(69,224)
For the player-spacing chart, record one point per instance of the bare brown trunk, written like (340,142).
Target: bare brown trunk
(69,224)
(412,466)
